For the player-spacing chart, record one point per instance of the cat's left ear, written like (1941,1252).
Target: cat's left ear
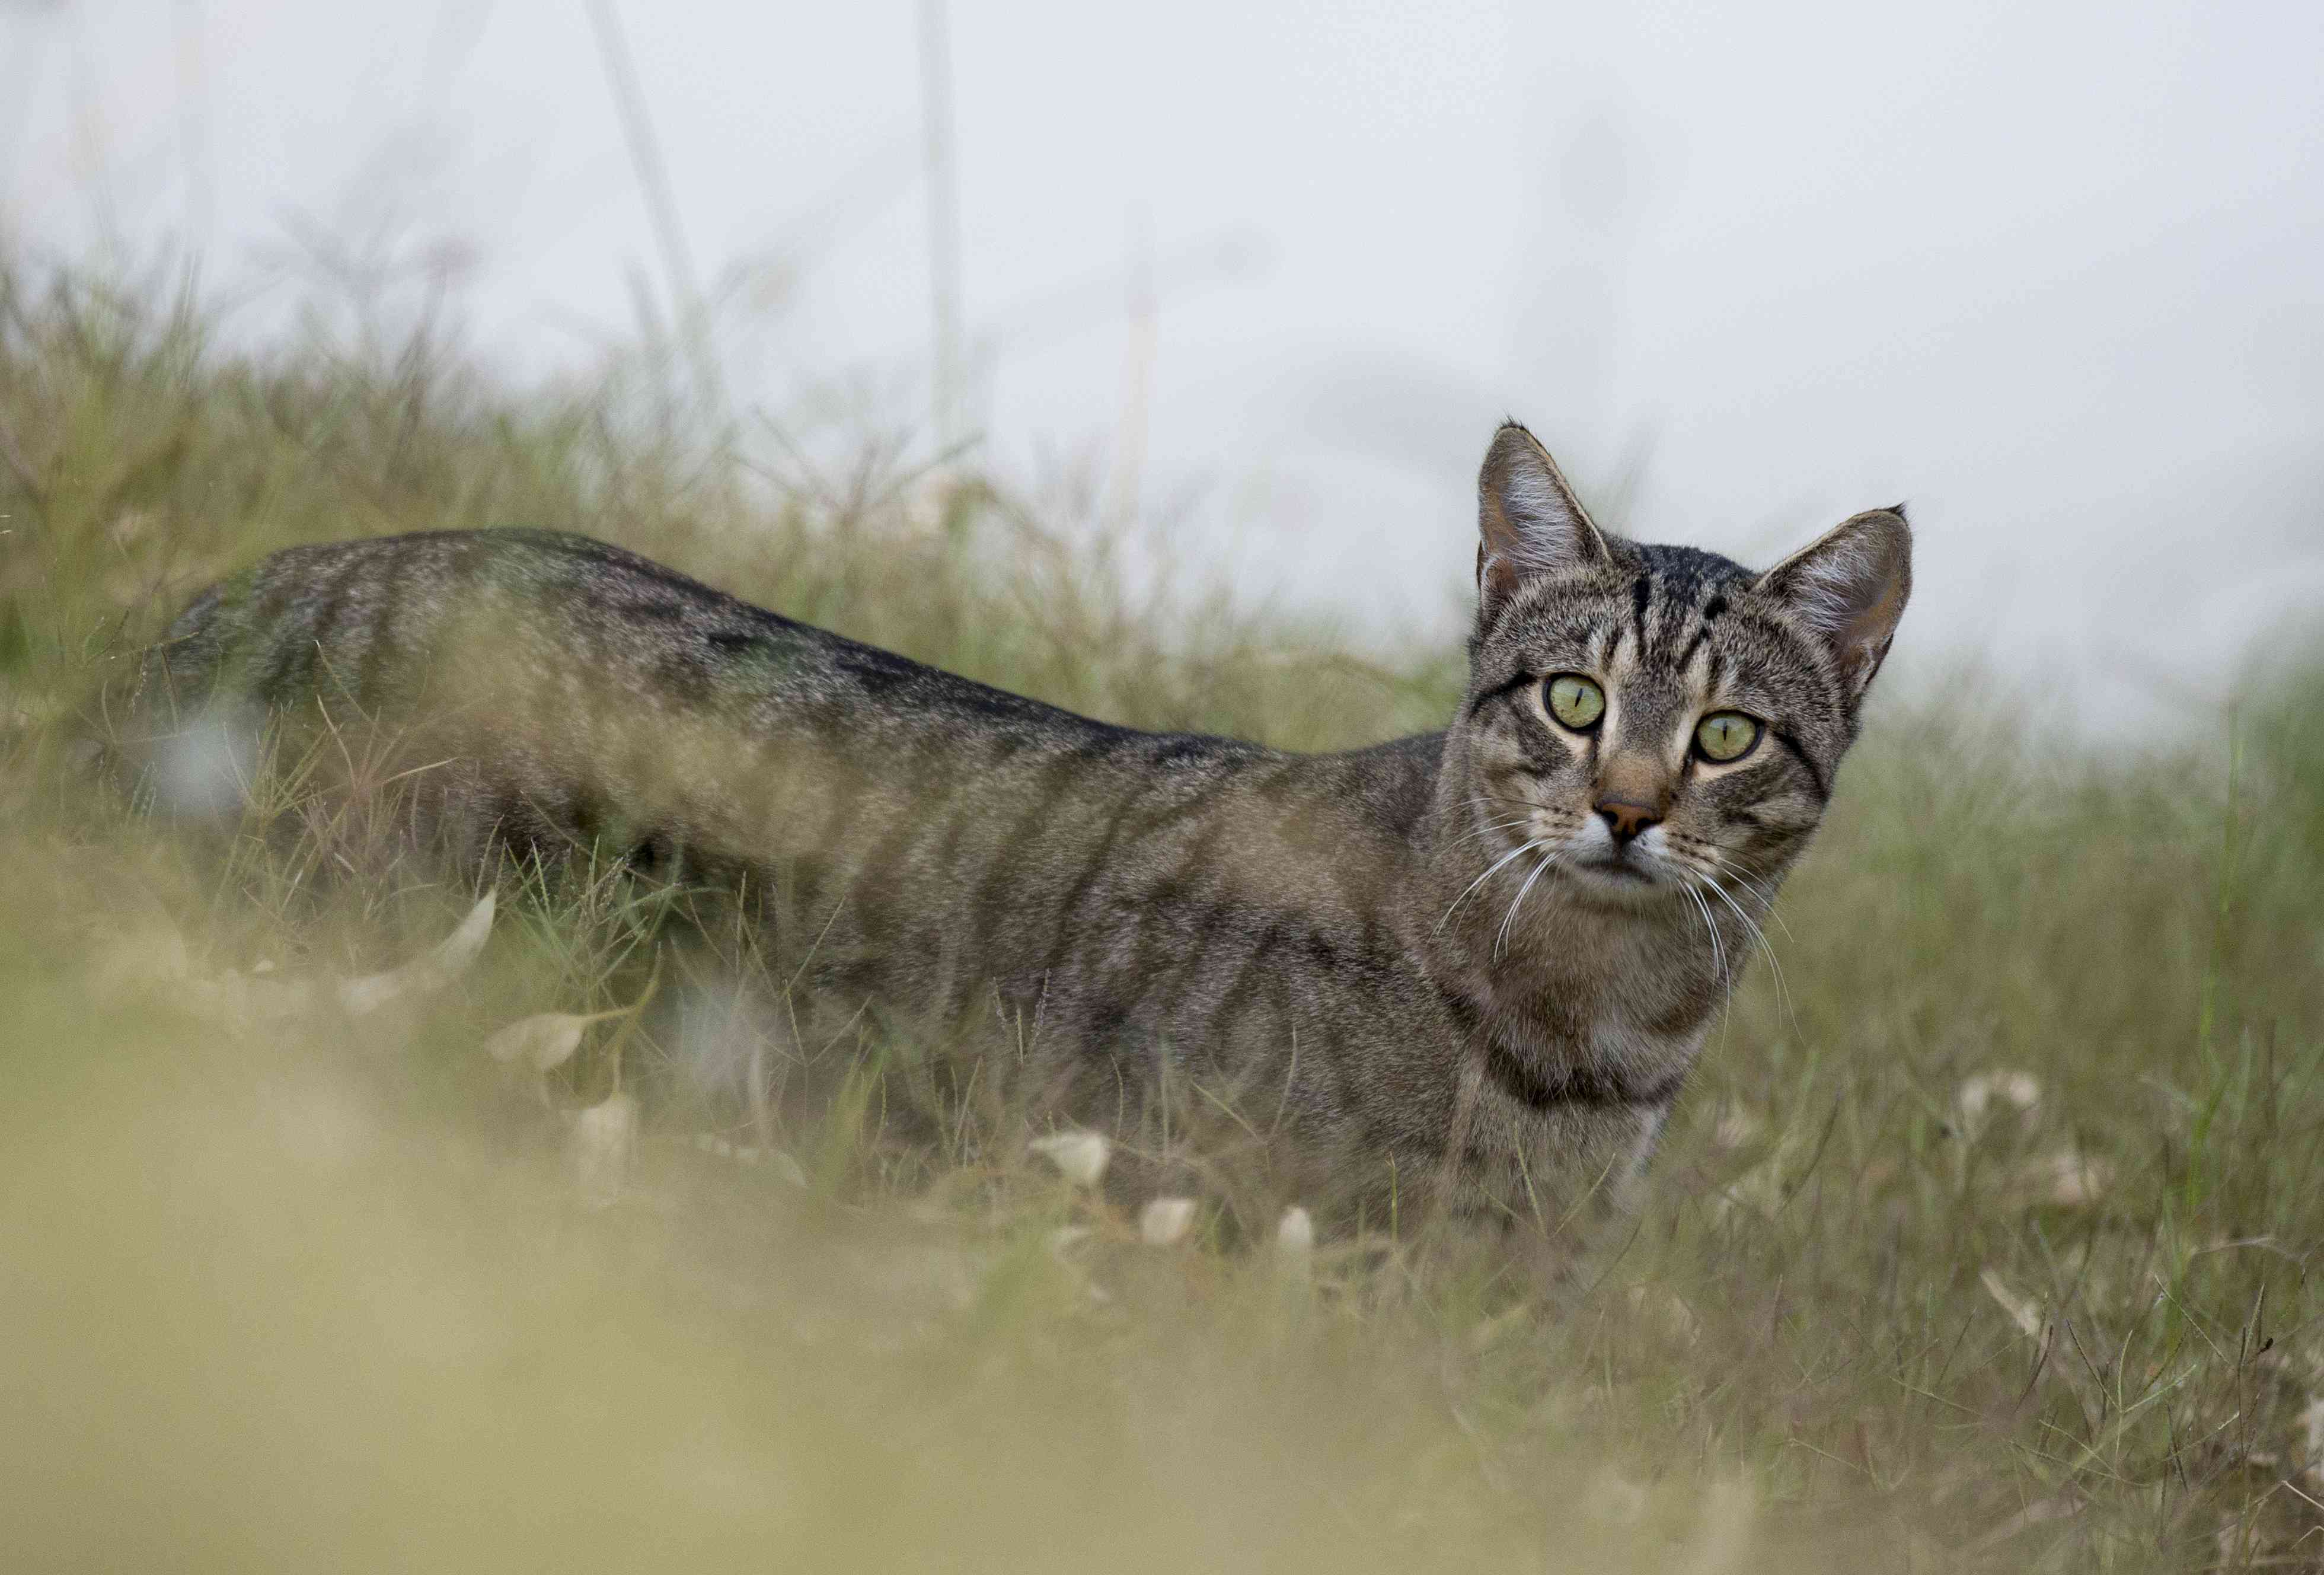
(1528,521)
(1851,589)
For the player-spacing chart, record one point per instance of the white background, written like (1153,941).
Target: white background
(2054,273)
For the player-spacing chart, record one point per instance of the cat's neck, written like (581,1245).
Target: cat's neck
(1566,955)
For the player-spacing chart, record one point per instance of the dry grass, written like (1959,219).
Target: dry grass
(1981,1241)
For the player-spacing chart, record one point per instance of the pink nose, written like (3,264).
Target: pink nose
(1626,819)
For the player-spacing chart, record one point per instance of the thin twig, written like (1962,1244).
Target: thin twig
(944,217)
(661,202)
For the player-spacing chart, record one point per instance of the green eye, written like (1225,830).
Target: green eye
(1725,736)
(1576,701)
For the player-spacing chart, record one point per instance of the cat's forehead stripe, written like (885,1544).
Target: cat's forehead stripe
(1664,618)
(1713,605)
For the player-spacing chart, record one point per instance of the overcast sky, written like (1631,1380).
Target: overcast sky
(2054,274)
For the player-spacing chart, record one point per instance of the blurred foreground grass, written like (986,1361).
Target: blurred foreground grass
(1982,1239)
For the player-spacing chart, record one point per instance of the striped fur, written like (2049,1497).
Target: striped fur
(1416,971)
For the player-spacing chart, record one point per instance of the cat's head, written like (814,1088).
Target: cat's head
(1656,718)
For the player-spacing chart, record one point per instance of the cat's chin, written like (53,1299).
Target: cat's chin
(1622,883)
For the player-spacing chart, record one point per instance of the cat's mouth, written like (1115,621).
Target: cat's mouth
(1618,871)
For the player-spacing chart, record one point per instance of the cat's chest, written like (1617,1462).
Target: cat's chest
(1576,1126)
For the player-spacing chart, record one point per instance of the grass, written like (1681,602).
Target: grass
(281,1290)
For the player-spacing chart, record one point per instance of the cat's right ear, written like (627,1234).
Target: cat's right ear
(1528,521)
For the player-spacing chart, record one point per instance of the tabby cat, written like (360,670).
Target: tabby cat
(1465,973)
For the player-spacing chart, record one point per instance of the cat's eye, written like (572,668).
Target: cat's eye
(1725,736)
(1576,701)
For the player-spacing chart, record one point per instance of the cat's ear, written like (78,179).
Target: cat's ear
(1850,589)
(1528,521)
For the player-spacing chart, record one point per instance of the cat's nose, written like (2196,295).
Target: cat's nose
(1626,820)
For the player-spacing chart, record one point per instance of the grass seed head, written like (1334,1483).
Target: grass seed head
(1164,1221)
(2064,1180)
(1081,1157)
(1980,1091)
(2024,1311)
(432,971)
(603,1141)
(539,1044)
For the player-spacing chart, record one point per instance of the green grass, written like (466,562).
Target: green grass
(316,1291)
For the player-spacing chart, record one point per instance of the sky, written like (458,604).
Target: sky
(2050,274)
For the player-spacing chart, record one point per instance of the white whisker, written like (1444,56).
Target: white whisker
(1717,950)
(1480,832)
(1521,803)
(1783,992)
(1492,869)
(1501,941)
(1752,888)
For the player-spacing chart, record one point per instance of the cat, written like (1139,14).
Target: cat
(1461,975)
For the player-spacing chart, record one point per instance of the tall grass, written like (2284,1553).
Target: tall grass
(1980,1241)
